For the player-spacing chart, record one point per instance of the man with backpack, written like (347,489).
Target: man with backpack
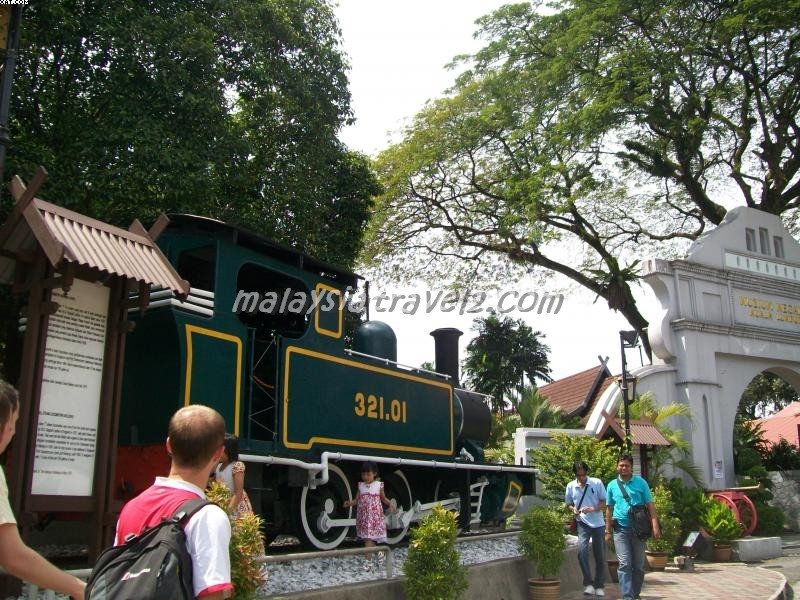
(195,443)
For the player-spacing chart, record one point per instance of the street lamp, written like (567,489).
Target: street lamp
(10,23)
(627,339)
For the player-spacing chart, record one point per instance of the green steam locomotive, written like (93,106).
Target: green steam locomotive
(261,338)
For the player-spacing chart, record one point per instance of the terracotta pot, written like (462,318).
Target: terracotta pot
(544,589)
(613,565)
(722,552)
(657,561)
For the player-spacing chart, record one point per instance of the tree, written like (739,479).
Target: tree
(504,352)
(766,394)
(225,109)
(607,126)
(555,459)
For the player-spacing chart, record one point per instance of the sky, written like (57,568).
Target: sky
(398,50)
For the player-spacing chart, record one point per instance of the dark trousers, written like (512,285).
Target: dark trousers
(596,536)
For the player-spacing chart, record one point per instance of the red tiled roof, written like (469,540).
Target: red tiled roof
(782,424)
(643,431)
(570,394)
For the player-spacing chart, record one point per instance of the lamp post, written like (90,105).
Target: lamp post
(10,23)
(627,339)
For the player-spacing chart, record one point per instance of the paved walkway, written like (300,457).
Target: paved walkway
(709,581)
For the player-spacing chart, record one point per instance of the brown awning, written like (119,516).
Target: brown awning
(67,236)
(643,431)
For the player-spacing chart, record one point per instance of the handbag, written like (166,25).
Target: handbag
(639,516)
(572,526)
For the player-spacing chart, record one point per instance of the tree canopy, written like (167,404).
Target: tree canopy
(605,125)
(499,358)
(766,394)
(228,109)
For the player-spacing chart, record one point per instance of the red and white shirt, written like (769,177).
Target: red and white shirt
(208,531)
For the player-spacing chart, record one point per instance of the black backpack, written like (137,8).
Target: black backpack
(152,566)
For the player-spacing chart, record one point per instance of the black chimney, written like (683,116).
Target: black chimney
(446,340)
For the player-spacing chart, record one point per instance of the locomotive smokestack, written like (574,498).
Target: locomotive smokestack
(446,340)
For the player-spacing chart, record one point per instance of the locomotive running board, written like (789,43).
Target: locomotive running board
(321,468)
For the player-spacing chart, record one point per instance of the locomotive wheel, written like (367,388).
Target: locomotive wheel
(397,488)
(328,498)
(445,490)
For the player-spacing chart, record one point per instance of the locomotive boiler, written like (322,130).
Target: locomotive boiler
(261,338)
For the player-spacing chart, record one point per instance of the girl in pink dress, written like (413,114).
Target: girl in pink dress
(369,501)
(230,471)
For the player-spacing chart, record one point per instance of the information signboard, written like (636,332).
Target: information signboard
(66,435)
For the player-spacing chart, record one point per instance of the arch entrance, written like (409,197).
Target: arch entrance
(728,311)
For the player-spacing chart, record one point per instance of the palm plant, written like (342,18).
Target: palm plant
(534,410)
(676,456)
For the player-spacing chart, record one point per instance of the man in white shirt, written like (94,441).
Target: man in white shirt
(586,497)
(194,442)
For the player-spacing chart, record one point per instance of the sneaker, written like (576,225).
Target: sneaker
(599,592)
(588,590)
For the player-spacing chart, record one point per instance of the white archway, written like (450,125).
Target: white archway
(729,311)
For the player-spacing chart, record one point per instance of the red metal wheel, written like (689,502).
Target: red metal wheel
(748,516)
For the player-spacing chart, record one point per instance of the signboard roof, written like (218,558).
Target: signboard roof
(67,236)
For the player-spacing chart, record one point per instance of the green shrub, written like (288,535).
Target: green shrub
(747,459)
(719,521)
(555,458)
(757,476)
(433,568)
(669,524)
(247,543)
(542,539)
(687,504)
(770,520)
(782,456)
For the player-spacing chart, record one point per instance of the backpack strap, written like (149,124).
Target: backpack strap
(186,510)
(623,492)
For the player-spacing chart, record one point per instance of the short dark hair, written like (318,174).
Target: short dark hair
(195,433)
(231,444)
(9,402)
(625,456)
(579,465)
(369,466)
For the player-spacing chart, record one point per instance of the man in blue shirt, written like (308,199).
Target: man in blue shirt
(630,549)
(586,497)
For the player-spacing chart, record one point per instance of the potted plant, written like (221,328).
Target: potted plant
(541,541)
(721,524)
(658,550)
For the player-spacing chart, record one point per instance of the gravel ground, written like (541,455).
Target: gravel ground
(342,570)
